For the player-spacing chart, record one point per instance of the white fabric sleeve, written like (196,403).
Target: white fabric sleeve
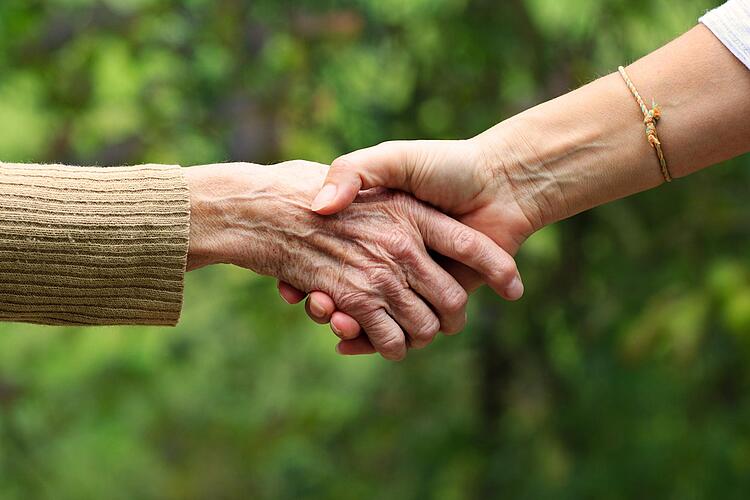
(731,24)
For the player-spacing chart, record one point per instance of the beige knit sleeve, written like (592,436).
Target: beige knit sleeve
(92,245)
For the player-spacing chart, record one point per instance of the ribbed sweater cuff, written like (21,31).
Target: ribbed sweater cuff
(92,245)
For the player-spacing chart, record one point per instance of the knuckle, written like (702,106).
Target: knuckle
(506,272)
(419,344)
(454,324)
(401,246)
(426,333)
(465,243)
(453,329)
(383,279)
(393,347)
(407,203)
(454,300)
(356,300)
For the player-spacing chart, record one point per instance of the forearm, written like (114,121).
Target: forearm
(588,147)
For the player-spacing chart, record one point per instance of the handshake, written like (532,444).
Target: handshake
(391,268)
(388,241)
(379,258)
(388,268)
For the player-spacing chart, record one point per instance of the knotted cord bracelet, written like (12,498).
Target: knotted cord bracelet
(650,117)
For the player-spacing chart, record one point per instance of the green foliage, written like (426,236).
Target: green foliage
(624,373)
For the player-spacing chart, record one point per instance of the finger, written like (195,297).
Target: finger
(356,347)
(442,291)
(386,165)
(290,294)
(415,318)
(466,276)
(344,326)
(473,249)
(320,307)
(384,334)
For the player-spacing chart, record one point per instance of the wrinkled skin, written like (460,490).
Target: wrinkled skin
(371,258)
(470,180)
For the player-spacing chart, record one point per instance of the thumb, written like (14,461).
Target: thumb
(389,164)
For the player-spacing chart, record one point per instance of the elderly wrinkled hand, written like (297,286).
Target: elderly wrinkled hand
(468,179)
(371,259)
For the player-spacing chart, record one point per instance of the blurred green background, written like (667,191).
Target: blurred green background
(624,372)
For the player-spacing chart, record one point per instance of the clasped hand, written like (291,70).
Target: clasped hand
(371,260)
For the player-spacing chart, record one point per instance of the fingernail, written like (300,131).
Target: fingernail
(316,309)
(335,330)
(324,198)
(515,289)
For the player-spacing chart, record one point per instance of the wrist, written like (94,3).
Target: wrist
(573,153)
(241,211)
(204,224)
(537,158)
(505,156)
(223,199)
